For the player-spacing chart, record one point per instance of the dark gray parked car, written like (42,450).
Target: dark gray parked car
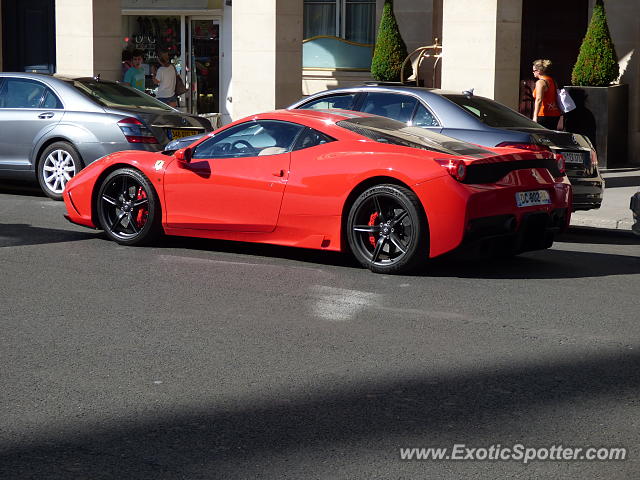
(473,119)
(51,127)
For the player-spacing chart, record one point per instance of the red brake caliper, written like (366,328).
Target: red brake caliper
(372,221)
(143,212)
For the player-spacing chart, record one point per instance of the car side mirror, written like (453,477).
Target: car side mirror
(184,155)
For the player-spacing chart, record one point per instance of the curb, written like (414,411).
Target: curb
(603,231)
(600,222)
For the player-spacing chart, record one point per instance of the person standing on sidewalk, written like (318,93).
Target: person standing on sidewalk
(135,74)
(545,109)
(165,78)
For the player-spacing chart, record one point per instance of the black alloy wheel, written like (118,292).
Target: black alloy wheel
(128,207)
(387,230)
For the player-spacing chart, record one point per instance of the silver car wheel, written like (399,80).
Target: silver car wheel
(59,167)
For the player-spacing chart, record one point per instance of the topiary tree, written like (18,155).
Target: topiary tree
(597,64)
(390,50)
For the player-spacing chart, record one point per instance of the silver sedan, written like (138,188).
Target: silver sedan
(51,127)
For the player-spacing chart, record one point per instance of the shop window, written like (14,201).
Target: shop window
(352,20)
(339,34)
(151,34)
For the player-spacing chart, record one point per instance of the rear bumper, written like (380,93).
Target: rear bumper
(588,188)
(458,213)
(504,235)
(587,193)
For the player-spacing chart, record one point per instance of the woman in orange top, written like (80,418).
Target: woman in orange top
(545,109)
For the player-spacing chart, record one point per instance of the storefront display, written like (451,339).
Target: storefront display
(201,72)
(151,35)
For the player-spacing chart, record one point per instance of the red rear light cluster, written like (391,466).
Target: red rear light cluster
(594,158)
(135,131)
(455,166)
(560,162)
(532,147)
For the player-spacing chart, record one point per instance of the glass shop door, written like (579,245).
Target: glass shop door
(203,56)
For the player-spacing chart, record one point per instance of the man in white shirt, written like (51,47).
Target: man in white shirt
(165,78)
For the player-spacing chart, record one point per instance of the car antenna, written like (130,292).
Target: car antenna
(96,77)
(468,93)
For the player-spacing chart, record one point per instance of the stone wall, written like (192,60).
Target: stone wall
(88,38)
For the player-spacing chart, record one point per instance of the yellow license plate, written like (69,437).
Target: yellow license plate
(179,133)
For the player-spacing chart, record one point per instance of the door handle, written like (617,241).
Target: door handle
(45,115)
(279,173)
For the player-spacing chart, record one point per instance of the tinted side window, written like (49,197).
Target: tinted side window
(310,138)
(343,101)
(391,105)
(250,139)
(424,118)
(51,100)
(21,93)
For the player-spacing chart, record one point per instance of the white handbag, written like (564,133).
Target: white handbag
(564,100)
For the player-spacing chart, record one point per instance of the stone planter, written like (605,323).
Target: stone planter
(602,114)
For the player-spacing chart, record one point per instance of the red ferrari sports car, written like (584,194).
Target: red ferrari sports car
(335,180)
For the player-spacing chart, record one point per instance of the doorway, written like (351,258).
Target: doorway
(204,65)
(553,30)
(29,39)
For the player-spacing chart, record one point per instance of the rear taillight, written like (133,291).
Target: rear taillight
(135,131)
(533,147)
(455,166)
(560,163)
(594,158)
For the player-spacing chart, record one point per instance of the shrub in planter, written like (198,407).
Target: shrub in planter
(597,64)
(602,108)
(390,50)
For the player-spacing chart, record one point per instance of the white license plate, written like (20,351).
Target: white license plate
(573,157)
(535,197)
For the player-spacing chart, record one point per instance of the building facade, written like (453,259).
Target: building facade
(238,57)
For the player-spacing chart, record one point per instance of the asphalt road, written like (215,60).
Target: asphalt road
(205,360)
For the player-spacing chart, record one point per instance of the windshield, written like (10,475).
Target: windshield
(492,113)
(117,95)
(386,130)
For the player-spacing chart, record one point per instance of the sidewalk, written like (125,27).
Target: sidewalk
(614,214)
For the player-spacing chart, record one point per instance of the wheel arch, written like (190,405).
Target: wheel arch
(98,182)
(361,187)
(46,144)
